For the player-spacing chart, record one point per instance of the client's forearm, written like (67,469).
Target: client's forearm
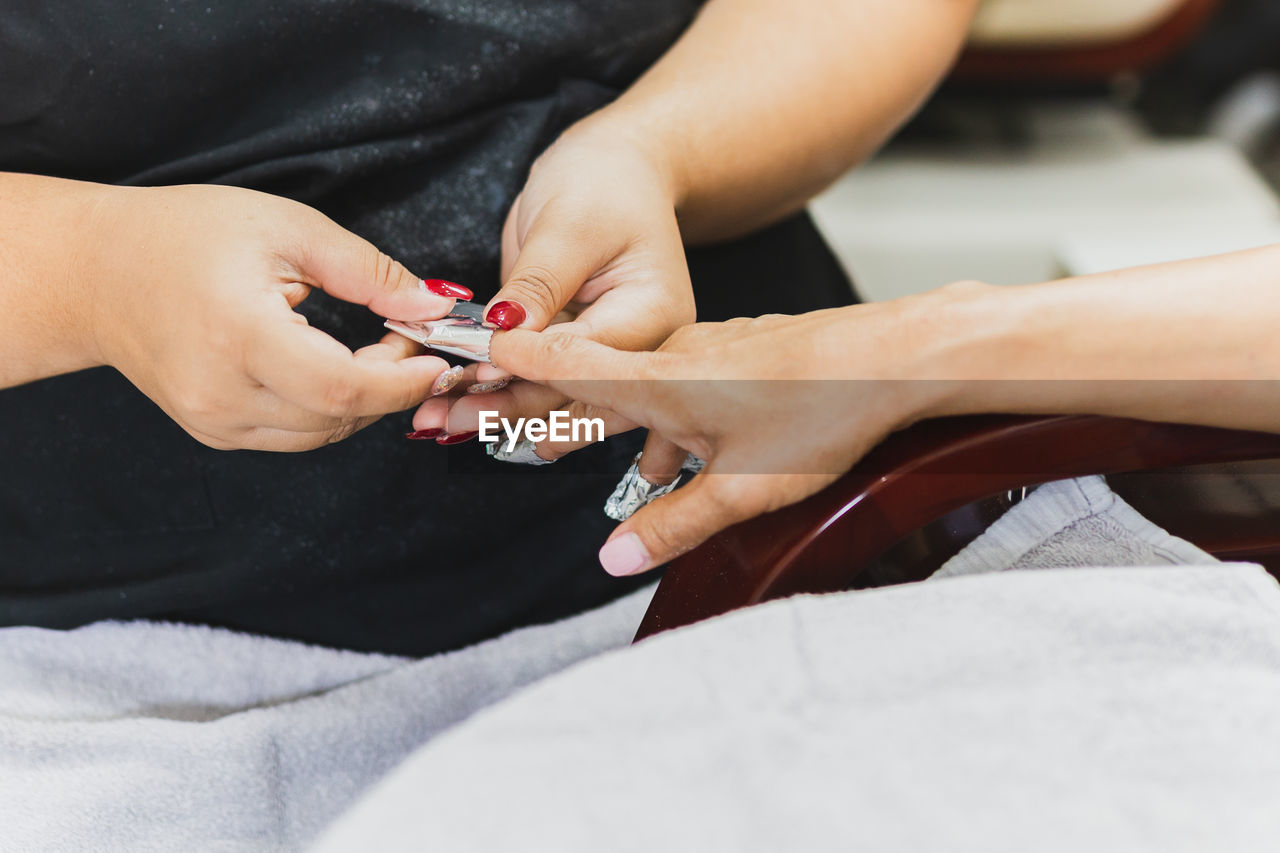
(762,103)
(1195,342)
(44,234)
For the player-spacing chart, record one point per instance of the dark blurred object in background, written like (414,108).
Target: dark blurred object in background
(1239,48)
(1217,74)
(1226,84)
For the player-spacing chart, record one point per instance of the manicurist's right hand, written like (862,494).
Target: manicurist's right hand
(190,294)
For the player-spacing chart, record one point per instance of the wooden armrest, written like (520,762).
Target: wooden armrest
(914,477)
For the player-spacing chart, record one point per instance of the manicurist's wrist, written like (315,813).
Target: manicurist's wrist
(61,267)
(624,133)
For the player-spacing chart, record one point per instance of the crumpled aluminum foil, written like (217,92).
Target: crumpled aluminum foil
(634,491)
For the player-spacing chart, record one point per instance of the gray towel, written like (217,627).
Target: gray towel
(157,737)
(142,736)
(1118,709)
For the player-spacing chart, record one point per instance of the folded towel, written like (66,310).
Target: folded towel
(140,736)
(1072,523)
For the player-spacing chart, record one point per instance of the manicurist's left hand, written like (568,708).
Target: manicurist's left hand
(591,245)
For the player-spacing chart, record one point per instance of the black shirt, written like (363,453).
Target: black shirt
(413,123)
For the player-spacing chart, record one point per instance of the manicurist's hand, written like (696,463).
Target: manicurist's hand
(759,105)
(778,406)
(189,292)
(591,247)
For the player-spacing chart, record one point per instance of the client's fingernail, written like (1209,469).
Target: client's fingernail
(445,381)
(440,287)
(423,434)
(457,437)
(488,387)
(624,555)
(505,315)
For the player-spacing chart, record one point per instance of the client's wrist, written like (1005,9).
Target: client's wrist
(960,342)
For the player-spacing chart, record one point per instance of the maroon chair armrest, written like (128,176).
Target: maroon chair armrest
(915,477)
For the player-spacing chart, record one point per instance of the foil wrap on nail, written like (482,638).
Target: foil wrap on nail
(459,333)
(524,453)
(634,491)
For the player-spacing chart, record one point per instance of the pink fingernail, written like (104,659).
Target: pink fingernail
(624,555)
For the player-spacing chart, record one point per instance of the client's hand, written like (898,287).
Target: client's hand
(592,245)
(192,297)
(778,406)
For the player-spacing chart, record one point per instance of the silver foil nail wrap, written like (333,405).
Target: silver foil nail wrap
(524,453)
(459,333)
(693,464)
(634,491)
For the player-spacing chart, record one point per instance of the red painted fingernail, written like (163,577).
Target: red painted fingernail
(423,434)
(440,287)
(505,315)
(457,437)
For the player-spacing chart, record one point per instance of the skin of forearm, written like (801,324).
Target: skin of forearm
(45,236)
(763,103)
(1193,342)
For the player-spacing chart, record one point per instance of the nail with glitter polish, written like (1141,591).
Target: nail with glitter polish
(488,387)
(423,434)
(440,287)
(446,381)
(505,315)
(457,437)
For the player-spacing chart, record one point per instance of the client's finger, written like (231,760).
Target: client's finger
(579,368)
(517,400)
(593,425)
(661,460)
(677,522)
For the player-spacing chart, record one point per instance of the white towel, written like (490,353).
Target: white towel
(1117,709)
(142,736)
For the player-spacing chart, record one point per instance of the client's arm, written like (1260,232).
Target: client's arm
(800,399)
(189,291)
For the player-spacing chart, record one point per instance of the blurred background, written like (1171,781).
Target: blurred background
(1075,136)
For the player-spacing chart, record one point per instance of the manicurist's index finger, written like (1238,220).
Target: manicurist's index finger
(307,367)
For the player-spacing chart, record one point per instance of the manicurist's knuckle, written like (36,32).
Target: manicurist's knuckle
(556,349)
(342,430)
(383,272)
(198,402)
(538,287)
(340,397)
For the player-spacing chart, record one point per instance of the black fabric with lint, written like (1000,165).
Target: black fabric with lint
(413,123)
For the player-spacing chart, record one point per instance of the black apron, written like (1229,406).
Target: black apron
(412,123)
